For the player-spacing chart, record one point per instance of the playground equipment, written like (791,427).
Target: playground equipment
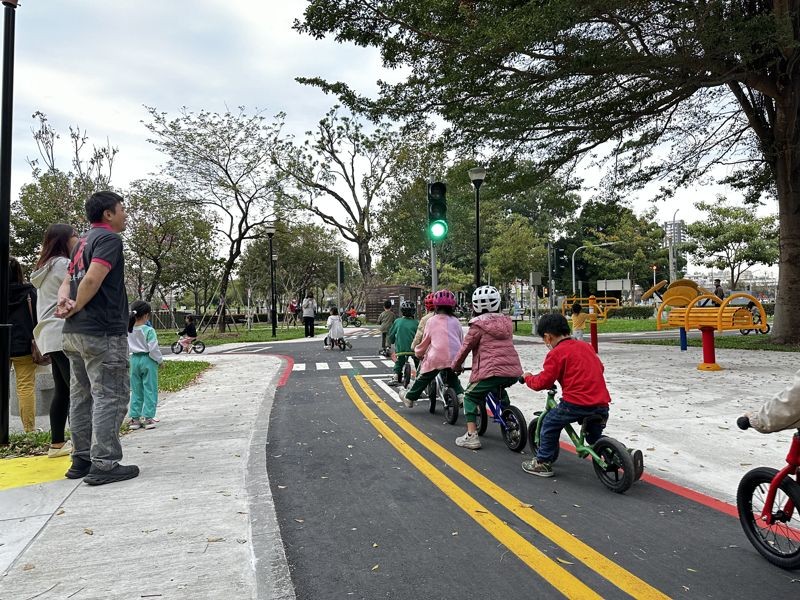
(690,306)
(598,309)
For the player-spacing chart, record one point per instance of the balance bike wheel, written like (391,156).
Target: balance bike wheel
(406,375)
(515,434)
(199,347)
(451,406)
(482,420)
(620,472)
(774,542)
(177,348)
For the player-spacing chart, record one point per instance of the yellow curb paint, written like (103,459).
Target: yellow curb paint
(19,472)
(561,579)
(606,568)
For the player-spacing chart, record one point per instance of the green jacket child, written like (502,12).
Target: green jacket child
(401,335)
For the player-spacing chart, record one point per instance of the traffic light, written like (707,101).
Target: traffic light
(437,211)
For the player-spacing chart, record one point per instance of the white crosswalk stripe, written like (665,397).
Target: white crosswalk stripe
(349,364)
(299,367)
(322,366)
(368,364)
(388,363)
(345,365)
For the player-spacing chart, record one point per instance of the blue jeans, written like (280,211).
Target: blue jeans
(564,414)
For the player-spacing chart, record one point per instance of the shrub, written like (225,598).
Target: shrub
(632,312)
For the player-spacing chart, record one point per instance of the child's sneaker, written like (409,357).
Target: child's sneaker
(540,469)
(134,424)
(149,423)
(469,440)
(408,402)
(393,383)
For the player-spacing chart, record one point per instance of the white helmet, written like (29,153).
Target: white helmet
(486,299)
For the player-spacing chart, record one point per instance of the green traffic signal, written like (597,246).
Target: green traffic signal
(437,211)
(437,230)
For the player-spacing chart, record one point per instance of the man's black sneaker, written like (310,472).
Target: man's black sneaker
(80,468)
(119,473)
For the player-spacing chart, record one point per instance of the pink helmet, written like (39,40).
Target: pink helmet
(444,298)
(429,301)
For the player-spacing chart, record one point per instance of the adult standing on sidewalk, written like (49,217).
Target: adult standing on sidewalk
(309,313)
(59,241)
(21,311)
(94,303)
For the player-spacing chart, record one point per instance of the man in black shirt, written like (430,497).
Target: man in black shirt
(94,303)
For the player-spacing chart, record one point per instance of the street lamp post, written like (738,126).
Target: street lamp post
(273,313)
(581,248)
(5,210)
(672,258)
(477,176)
(654,276)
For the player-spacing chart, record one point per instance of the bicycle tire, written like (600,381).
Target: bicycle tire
(451,406)
(176,348)
(532,440)
(744,331)
(770,540)
(356,323)
(199,347)
(406,375)
(482,420)
(620,472)
(515,435)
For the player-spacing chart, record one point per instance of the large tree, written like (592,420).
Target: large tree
(343,171)
(164,236)
(704,83)
(733,238)
(221,162)
(55,194)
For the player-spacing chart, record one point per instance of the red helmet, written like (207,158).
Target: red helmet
(429,301)
(444,298)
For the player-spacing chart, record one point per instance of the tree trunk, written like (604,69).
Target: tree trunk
(154,282)
(786,328)
(365,259)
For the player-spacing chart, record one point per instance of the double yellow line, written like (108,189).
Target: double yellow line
(545,566)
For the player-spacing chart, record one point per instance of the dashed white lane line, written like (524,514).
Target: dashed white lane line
(345,365)
(299,367)
(322,366)
(368,364)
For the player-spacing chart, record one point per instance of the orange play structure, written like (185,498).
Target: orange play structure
(691,306)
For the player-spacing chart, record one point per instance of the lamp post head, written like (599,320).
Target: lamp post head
(477,175)
(270,229)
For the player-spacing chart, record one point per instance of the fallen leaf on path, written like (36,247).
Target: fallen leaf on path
(281,487)
(375,568)
(211,540)
(60,512)
(300,520)
(241,540)
(454,533)
(88,531)
(564,562)
(692,570)
(28,567)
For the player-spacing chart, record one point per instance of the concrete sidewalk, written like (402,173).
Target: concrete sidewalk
(197,523)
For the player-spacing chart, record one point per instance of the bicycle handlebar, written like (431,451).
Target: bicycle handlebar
(743,422)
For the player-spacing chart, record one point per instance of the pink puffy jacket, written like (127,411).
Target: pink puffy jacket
(490,339)
(440,343)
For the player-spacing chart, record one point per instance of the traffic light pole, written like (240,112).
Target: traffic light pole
(434,270)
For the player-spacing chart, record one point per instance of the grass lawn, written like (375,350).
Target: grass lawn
(173,376)
(609,326)
(259,333)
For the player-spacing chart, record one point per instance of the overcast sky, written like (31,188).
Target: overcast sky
(95,63)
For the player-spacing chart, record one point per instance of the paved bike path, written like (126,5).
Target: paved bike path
(358,518)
